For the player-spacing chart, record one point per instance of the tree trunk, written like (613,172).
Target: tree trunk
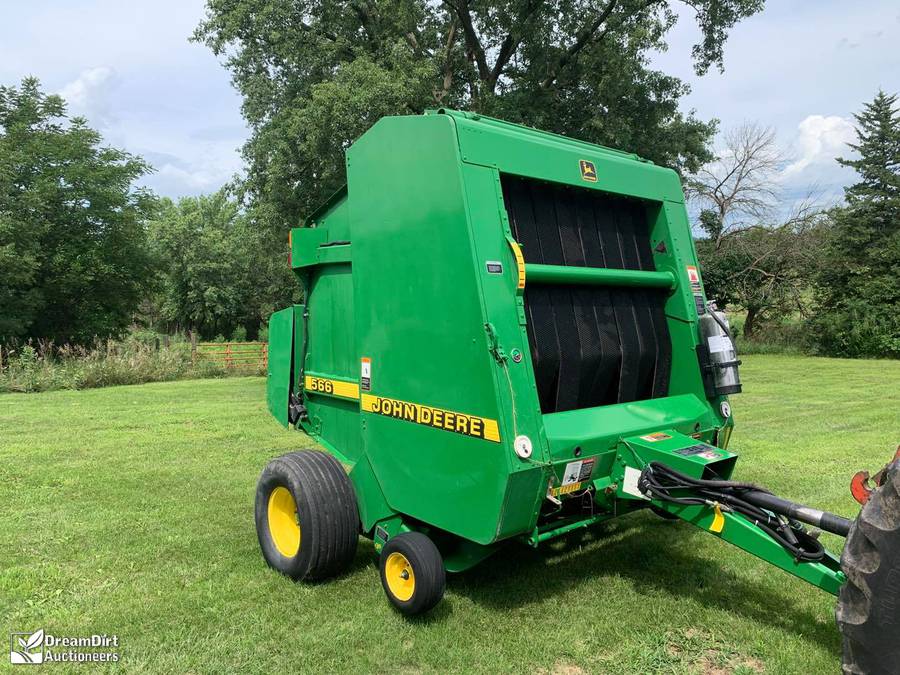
(750,321)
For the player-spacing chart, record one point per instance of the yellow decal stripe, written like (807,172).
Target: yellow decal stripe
(565,489)
(437,418)
(520,262)
(324,385)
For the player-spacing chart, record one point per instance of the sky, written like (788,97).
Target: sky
(801,67)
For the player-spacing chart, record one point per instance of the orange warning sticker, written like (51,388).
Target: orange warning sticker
(656,436)
(694,278)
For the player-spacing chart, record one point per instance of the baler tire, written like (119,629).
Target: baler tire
(316,488)
(415,554)
(868,609)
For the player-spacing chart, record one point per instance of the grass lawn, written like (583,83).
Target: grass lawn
(129,510)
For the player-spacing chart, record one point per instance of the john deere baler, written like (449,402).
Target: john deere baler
(504,337)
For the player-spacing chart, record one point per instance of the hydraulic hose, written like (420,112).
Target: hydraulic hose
(779,518)
(805,514)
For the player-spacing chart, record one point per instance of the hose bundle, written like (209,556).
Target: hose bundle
(668,485)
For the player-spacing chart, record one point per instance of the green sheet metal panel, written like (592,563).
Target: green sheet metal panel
(331,364)
(522,151)
(281,346)
(419,318)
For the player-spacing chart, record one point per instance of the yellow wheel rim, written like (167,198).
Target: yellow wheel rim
(400,578)
(284,525)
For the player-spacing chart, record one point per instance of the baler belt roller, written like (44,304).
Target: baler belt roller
(598,276)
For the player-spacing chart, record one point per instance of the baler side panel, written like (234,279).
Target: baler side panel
(504,309)
(419,318)
(331,359)
(281,346)
(672,226)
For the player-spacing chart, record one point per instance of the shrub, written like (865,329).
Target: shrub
(42,367)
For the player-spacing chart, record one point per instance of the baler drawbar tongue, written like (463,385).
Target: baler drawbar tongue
(689,480)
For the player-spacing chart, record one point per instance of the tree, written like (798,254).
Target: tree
(314,75)
(878,148)
(214,269)
(73,259)
(740,184)
(750,258)
(858,293)
(764,270)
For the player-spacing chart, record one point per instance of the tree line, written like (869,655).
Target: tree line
(85,254)
(829,278)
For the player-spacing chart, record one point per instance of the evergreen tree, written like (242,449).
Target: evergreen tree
(878,133)
(858,286)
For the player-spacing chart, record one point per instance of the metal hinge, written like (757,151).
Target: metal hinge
(494,344)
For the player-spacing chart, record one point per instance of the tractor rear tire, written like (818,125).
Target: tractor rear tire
(306,516)
(412,573)
(868,610)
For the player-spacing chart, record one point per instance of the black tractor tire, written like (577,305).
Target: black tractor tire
(868,610)
(307,520)
(412,573)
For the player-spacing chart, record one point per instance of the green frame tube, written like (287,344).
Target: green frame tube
(597,276)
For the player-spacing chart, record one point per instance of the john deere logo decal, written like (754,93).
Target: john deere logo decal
(448,420)
(588,170)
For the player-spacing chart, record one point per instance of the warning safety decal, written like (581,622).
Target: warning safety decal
(694,279)
(460,423)
(656,436)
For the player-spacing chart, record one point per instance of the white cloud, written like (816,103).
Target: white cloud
(187,181)
(89,94)
(821,139)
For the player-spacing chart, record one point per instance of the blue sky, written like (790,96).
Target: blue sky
(801,67)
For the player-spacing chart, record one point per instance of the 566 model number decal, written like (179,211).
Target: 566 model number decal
(330,387)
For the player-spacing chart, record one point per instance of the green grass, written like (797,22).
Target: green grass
(128,510)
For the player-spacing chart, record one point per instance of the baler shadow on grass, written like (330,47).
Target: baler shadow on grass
(632,552)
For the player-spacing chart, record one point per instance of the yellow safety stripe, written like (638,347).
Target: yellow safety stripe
(437,418)
(324,385)
(718,523)
(520,262)
(565,489)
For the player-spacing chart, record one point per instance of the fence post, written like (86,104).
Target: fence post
(265,355)
(193,348)
(228,355)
